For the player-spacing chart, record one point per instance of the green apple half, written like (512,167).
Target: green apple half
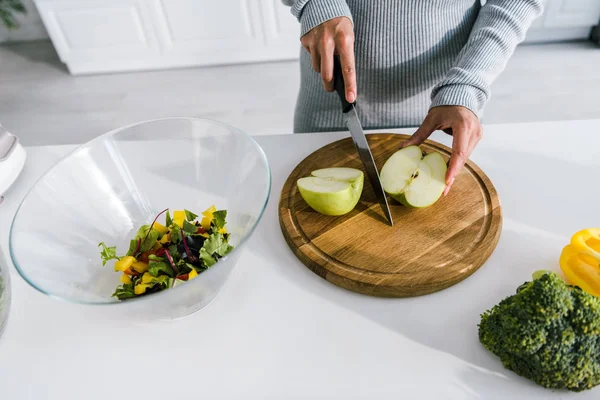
(414,179)
(332,191)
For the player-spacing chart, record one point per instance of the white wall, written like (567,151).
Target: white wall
(31,27)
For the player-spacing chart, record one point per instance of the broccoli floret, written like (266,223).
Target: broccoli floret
(548,332)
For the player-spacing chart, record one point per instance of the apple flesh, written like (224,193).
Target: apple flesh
(332,191)
(414,179)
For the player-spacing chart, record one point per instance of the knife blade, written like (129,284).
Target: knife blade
(359,138)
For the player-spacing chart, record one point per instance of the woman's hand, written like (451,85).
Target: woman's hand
(462,124)
(335,36)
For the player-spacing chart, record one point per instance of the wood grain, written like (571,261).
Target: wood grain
(426,250)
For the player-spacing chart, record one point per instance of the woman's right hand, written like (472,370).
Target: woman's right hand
(335,36)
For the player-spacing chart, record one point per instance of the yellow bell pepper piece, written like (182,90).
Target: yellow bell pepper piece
(140,266)
(147,281)
(179,217)
(125,279)
(124,263)
(165,239)
(223,230)
(160,227)
(140,288)
(208,217)
(192,274)
(581,269)
(587,241)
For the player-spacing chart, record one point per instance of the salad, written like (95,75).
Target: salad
(161,256)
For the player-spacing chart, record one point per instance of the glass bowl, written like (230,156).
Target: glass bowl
(108,188)
(5,293)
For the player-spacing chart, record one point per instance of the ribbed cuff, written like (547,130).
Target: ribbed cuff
(315,12)
(460,95)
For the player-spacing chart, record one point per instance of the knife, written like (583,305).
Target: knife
(359,139)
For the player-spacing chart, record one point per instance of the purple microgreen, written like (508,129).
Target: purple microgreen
(139,244)
(191,257)
(171,261)
(151,225)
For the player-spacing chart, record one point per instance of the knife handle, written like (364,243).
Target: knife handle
(338,83)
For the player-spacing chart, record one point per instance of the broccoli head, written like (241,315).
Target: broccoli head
(548,332)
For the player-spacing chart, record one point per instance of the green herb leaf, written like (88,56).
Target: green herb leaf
(108,253)
(175,234)
(190,228)
(158,266)
(215,244)
(151,238)
(168,219)
(124,291)
(132,246)
(219,218)
(190,216)
(174,252)
(184,267)
(162,280)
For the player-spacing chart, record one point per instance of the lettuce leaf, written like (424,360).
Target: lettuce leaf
(190,228)
(219,218)
(124,291)
(157,266)
(175,234)
(190,216)
(108,253)
(133,243)
(214,247)
(168,219)
(148,236)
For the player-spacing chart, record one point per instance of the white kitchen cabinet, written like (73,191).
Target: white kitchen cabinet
(565,20)
(94,36)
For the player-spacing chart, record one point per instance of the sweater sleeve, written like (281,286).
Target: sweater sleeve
(500,26)
(311,13)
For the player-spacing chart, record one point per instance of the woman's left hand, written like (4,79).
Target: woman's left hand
(466,131)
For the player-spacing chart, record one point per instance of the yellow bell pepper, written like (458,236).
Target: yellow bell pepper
(140,288)
(208,217)
(140,266)
(124,263)
(125,279)
(192,274)
(588,241)
(580,260)
(160,227)
(165,239)
(179,217)
(148,281)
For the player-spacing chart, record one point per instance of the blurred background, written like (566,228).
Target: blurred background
(71,70)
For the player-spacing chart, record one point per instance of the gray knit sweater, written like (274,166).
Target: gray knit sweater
(412,55)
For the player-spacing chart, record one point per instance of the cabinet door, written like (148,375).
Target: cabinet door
(572,13)
(281,26)
(97,30)
(218,30)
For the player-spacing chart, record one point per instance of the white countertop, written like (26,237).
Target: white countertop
(278,331)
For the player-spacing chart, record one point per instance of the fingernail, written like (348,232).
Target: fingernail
(351,97)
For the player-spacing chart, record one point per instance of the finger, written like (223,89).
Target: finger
(326,53)
(306,48)
(346,52)
(421,134)
(316,60)
(460,154)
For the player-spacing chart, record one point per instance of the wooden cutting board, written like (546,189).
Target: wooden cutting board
(426,250)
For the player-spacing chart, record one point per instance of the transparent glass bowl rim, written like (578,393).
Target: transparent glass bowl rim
(115,132)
